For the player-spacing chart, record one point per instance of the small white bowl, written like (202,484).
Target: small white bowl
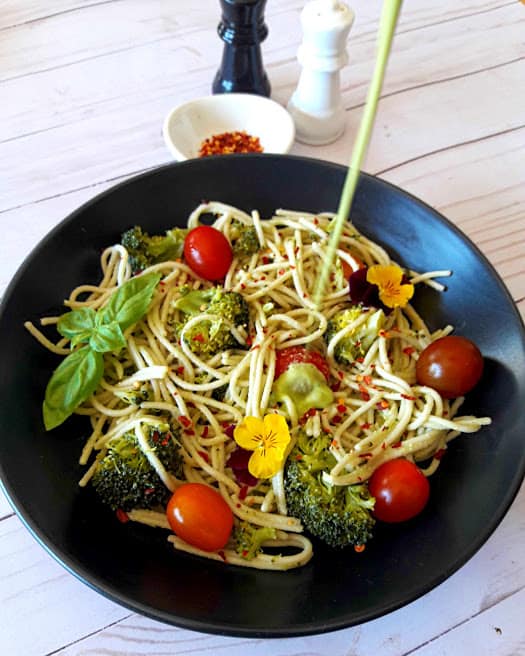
(189,124)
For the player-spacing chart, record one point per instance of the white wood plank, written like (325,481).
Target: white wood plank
(15,12)
(36,593)
(65,95)
(499,630)
(5,506)
(113,147)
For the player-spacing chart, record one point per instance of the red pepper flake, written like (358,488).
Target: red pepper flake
(397,445)
(155,436)
(316,221)
(249,340)
(225,143)
(341,408)
(199,337)
(244,553)
(298,457)
(205,431)
(408,350)
(408,397)
(359,548)
(265,260)
(439,454)
(243,492)
(243,286)
(179,370)
(360,360)
(334,443)
(222,555)
(189,431)
(337,419)
(254,348)
(366,455)
(382,405)
(122,515)
(204,456)
(367,380)
(384,333)
(364,393)
(365,426)
(185,421)
(340,375)
(238,505)
(336,386)
(383,446)
(281,272)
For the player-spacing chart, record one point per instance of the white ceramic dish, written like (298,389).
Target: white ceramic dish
(189,124)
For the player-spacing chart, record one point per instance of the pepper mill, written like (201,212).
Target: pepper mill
(316,105)
(242,29)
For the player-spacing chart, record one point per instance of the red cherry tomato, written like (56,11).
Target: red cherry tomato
(451,365)
(400,489)
(296,354)
(200,516)
(208,252)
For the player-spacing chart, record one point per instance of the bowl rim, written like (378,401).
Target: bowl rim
(288,123)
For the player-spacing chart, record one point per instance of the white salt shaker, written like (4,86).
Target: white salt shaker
(316,105)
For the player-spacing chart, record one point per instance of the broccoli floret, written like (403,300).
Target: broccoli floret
(124,477)
(207,337)
(139,393)
(145,250)
(244,240)
(338,515)
(249,539)
(360,339)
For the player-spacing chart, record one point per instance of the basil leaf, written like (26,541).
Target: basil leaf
(130,302)
(72,382)
(77,325)
(108,337)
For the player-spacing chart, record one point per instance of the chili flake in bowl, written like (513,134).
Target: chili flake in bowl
(230,142)
(228,123)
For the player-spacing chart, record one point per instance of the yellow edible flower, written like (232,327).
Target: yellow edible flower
(388,278)
(268,439)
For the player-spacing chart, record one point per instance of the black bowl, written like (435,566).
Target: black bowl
(133,565)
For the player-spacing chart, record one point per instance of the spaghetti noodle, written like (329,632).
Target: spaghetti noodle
(378,413)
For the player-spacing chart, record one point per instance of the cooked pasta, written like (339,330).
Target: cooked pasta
(379,412)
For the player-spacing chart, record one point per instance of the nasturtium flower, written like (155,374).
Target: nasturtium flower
(268,438)
(393,292)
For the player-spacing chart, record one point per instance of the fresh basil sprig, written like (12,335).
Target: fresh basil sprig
(102,331)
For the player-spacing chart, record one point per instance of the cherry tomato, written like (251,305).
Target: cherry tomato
(400,489)
(451,365)
(296,354)
(200,516)
(208,252)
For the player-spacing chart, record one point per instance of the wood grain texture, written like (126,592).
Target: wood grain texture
(84,87)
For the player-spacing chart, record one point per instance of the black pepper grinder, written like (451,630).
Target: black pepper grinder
(242,29)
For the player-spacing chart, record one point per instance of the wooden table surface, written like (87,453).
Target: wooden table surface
(84,88)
